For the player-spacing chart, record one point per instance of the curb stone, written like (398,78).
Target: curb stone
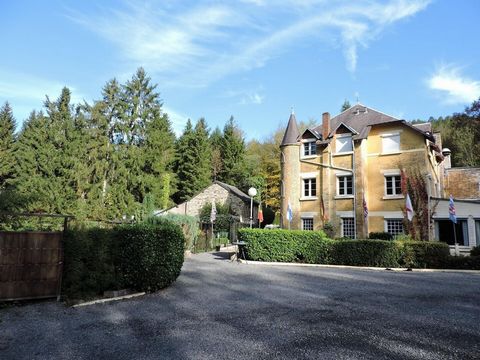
(265,263)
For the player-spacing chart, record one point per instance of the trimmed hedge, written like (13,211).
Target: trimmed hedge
(315,248)
(380,253)
(380,236)
(150,257)
(286,245)
(144,257)
(424,254)
(464,262)
(89,263)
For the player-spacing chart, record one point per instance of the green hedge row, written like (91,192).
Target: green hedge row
(286,245)
(315,247)
(144,257)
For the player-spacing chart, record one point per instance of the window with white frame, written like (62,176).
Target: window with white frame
(344,185)
(394,226)
(393,185)
(307,223)
(343,143)
(310,187)
(348,228)
(390,143)
(309,148)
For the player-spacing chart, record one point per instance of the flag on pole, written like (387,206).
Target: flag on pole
(289,213)
(451,210)
(213,213)
(409,208)
(260,214)
(365,209)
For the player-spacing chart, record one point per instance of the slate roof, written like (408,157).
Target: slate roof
(291,133)
(361,119)
(234,190)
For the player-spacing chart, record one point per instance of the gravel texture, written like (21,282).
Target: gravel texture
(223,310)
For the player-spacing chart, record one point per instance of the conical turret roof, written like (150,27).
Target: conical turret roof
(291,133)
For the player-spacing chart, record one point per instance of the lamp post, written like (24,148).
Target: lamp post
(251,192)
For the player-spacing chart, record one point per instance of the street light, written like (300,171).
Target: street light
(251,192)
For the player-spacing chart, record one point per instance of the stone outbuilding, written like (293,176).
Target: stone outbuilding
(221,193)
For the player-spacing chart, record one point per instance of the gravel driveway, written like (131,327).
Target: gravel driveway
(223,310)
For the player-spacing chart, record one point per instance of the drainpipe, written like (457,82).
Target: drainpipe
(354,192)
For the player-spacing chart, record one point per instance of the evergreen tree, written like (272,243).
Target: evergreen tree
(204,155)
(345,106)
(216,159)
(7,141)
(185,165)
(233,154)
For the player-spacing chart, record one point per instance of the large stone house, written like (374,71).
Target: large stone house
(351,165)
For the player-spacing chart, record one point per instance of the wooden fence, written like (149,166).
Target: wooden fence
(30,265)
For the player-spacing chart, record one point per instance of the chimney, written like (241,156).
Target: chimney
(325,125)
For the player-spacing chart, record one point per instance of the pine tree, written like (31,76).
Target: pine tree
(204,155)
(233,154)
(148,148)
(7,141)
(185,166)
(215,145)
(345,106)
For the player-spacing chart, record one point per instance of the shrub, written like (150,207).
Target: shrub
(463,262)
(380,236)
(189,225)
(475,251)
(144,257)
(88,263)
(365,253)
(423,254)
(150,257)
(286,245)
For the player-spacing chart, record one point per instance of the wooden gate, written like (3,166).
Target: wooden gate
(30,265)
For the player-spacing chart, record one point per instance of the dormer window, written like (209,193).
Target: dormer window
(343,143)
(309,148)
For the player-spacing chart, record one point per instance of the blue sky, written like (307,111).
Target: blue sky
(253,59)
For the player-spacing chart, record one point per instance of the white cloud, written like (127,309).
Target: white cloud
(458,89)
(199,45)
(22,90)
(177,119)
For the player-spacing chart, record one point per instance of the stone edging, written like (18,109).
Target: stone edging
(249,262)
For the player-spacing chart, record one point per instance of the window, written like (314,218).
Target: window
(444,232)
(390,143)
(393,185)
(345,185)
(394,227)
(348,228)
(310,187)
(307,224)
(309,148)
(343,144)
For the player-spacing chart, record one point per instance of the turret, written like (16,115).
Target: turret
(290,174)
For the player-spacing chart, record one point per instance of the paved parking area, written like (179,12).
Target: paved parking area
(223,310)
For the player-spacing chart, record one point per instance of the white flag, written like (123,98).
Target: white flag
(409,208)
(289,213)
(213,214)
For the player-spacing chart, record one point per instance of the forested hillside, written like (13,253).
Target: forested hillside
(119,156)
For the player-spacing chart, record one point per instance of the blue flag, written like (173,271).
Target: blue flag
(451,210)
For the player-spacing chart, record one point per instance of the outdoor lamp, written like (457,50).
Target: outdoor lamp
(251,192)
